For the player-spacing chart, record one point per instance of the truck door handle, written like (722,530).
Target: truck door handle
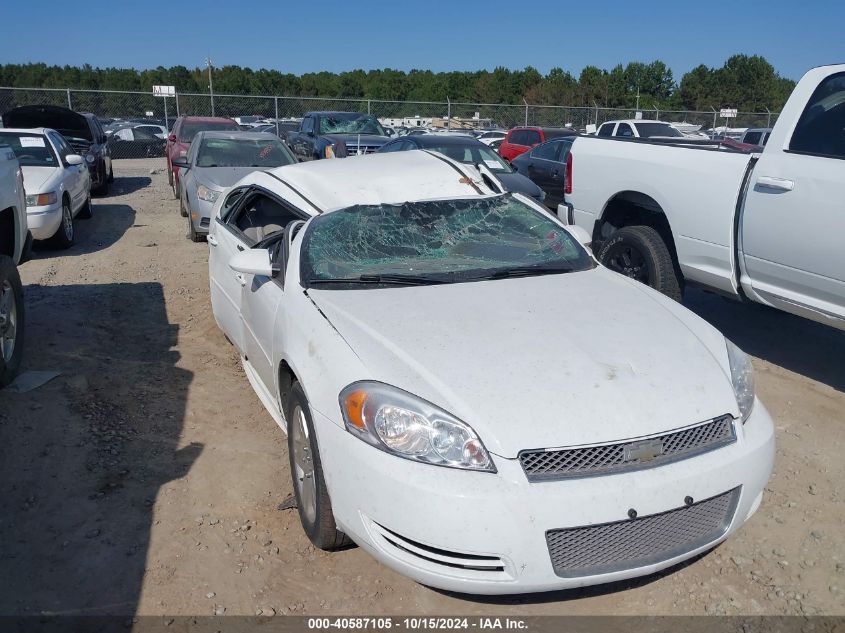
(241,279)
(781,184)
(211,240)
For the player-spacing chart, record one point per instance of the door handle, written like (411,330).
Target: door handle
(211,240)
(781,184)
(241,279)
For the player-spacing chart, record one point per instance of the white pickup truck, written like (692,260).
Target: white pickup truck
(764,227)
(14,245)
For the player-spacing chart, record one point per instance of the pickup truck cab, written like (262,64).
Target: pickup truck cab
(638,128)
(14,245)
(763,227)
(336,135)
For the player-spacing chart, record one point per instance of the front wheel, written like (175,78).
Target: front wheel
(63,238)
(309,484)
(11,320)
(640,253)
(86,212)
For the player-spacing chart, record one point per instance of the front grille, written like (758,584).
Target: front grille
(352,150)
(610,547)
(606,459)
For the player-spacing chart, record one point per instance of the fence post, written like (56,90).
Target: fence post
(176,95)
(768,118)
(69,104)
(656,113)
(596,120)
(714,119)
(368,107)
(276,105)
(448,113)
(526,111)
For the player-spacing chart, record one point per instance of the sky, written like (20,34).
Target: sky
(338,35)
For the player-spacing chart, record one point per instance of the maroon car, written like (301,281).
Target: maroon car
(179,140)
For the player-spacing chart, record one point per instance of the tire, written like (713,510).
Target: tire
(640,253)
(315,507)
(63,238)
(192,233)
(12,321)
(169,175)
(175,187)
(182,210)
(87,211)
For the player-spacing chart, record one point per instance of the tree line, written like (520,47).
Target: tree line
(749,83)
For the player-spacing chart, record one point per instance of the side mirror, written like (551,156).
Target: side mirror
(181,162)
(253,261)
(74,159)
(171,138)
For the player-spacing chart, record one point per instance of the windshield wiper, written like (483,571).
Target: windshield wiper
(525,271)
(405,280)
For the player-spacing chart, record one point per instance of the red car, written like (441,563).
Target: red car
(179,140)
(520,139)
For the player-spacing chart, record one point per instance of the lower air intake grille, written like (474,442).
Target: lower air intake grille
(610,547)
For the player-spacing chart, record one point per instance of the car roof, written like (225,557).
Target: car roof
(327,112)
(636,121)
(26,130)
(445,140)
(391,178)
(206,119)
(544,129)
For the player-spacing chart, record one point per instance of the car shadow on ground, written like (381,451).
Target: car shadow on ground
(124,185)
(802,346)
(107,226)
(84,457)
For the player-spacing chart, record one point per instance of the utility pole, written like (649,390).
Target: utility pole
(210,84)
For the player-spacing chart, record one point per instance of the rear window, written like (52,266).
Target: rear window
(606,129)
(31,150)
(649,130)
(189,129)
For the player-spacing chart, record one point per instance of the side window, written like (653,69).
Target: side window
(231,202)
(518,137)
(532,137)
(821,129)
(308,124)
(124,135)
(260,216)
(546,151)
(61,144)
(606,129)
(624,130)
(752,138)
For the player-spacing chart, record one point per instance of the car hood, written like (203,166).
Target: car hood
(541,362)
(518,183)
(35,178)
(66,122)
(352,139)
(222,177)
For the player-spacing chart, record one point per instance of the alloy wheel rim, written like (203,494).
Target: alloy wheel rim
(628,261)
(304,466)
(8,321)
(67,222)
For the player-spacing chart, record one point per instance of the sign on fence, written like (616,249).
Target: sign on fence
(727,113)
(164,91)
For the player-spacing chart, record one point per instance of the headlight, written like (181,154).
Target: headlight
(402,424)
(329,151)
(41,199)
(742,379)
(209,195)
(90,158)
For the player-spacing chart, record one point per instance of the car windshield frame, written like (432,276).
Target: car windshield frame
(648,129)
(343,123)
(234,151)
(19,149)
(456,240)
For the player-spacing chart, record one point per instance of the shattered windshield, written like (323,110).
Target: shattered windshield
(350,123)
(442,241)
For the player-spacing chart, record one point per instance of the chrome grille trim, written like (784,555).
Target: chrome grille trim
(608,459)
(352,150)
(609,547)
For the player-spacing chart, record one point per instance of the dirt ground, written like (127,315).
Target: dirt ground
(146,478)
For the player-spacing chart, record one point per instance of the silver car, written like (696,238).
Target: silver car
(216,161)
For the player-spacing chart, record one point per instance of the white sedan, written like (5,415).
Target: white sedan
(56,180)
(468,395)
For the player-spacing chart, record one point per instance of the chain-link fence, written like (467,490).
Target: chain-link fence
(128,105)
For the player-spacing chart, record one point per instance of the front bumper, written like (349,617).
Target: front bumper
(43,222)
(200,213)
(486,533)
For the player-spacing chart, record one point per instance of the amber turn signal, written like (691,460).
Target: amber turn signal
(354,405)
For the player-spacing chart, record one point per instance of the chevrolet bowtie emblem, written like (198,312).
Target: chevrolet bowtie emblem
(642,451)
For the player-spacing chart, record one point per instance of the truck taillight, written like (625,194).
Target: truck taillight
(568,185)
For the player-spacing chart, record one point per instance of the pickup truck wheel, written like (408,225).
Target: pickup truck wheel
(306,470)
(640,253)
(11,320)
